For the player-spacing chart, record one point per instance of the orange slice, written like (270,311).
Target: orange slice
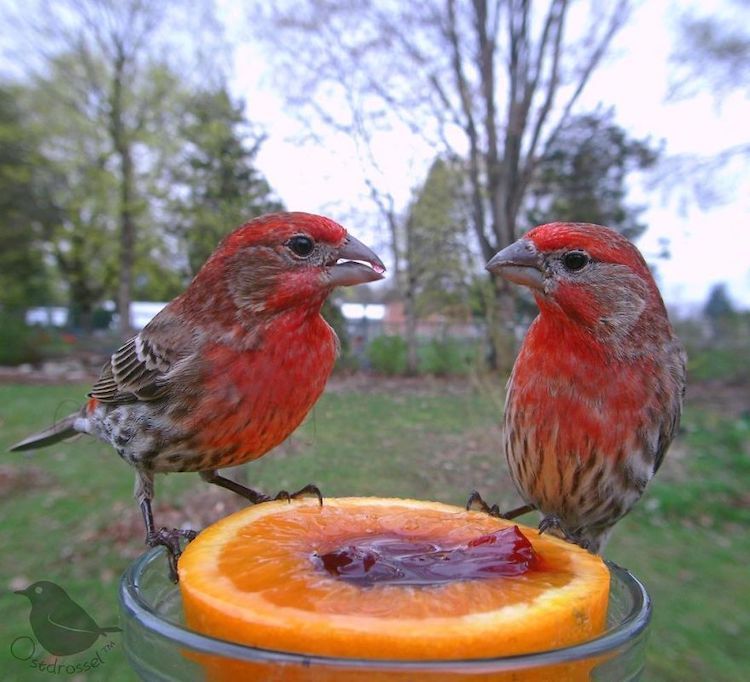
(258,578)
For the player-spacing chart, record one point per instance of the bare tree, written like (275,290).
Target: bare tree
(711,53)
(493,82)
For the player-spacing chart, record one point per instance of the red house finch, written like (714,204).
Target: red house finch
(228,369)
(595,395)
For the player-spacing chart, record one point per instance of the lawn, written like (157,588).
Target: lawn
(68,515)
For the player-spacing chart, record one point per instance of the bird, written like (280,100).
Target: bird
(595,395)
(60,624)
(230,367)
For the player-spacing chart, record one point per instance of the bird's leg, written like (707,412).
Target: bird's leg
(518,511)
(477,503)
(255,497)
(553,522)
(168,538)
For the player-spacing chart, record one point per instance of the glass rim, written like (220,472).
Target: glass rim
(630,627)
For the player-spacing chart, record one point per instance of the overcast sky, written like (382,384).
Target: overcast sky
(706,246)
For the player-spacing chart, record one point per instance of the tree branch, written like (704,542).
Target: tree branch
(470,129)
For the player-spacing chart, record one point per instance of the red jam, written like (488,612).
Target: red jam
(393,559)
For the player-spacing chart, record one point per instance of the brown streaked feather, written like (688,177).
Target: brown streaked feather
(670,427)
(138,370)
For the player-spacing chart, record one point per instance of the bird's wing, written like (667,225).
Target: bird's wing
(671,424)
(138,370)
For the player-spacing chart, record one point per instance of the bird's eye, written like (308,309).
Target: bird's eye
(38,590)
(574,260)
(301,245)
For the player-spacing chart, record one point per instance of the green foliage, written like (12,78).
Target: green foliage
(718,349)
(101,318)
(81,234)
(446,357)
(720,364)
(61,185)
(20,344)
(158,277)
(24,202)
(387,355)
(718,305)
(215,187)
(438,258)
(581,175)
(17,341)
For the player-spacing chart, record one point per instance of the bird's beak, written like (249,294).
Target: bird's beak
(349,272)
(521,263)
(25,592)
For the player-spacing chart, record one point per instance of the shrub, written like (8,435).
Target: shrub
(719,364)
(18,343)
(445,357)
(387,355)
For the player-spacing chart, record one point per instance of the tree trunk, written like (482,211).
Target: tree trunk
(122,145)
(127,242)
(412,361)
(86,319)
(501,324)
(410,302)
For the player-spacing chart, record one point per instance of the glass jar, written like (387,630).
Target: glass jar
(160,648)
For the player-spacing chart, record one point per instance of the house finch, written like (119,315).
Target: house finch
(595,395)
(228,369)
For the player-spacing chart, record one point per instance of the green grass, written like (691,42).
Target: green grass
(689,543)
(687,540)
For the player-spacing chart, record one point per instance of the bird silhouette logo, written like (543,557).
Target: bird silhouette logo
(59,624)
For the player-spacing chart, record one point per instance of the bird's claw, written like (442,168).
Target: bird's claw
(310,490)
(553,522)
(477,503)
(169,538)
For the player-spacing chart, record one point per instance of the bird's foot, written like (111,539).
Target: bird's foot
(476,503)
(308,491)
(253,496)
(169,538)
(553,522)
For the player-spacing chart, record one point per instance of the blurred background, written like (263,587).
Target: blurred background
(135,134)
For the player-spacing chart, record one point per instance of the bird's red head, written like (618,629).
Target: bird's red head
(588,274)
(284,260)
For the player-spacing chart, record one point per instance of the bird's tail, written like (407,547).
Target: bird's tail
(65,428)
